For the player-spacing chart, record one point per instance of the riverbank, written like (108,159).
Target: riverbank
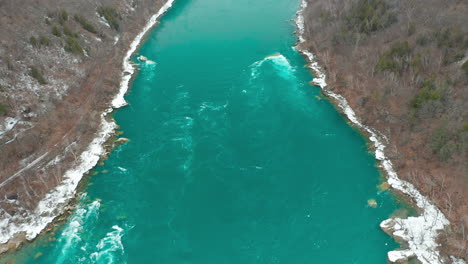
(421,233)
(17,229)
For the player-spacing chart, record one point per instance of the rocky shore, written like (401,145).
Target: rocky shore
(61,62)
(366,70)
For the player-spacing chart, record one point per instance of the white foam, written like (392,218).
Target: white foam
(419,232)
(109,246)
(53,205)
(71,235)
(128,68)
(280,62)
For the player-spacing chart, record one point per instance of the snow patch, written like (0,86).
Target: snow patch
(7,125)
(102,20)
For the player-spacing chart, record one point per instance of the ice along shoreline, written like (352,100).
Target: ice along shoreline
(421,232)
(55,202)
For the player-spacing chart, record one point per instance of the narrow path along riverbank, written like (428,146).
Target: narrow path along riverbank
(233,156)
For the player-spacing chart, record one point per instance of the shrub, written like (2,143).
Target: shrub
(68,32)
(400,49)
(395,59)
(325,16)
(424,95)
(344,36)
(446,151)
(428,92)
(411,29)
(441,143)
(44,41)
(85,24)
(36,74)
(423,40)
(63,17)
(33,41)
(416,62)
(452,42)
(386,63)
(41,41)
(3,109)
(56,31)
(73,46)
(367,16)
(449,38)
(111,16)
(439,138)
(9,65)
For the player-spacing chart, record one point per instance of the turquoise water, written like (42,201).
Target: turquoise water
(233,158)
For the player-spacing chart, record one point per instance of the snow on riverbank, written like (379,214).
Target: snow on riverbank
(53,205)
(128,68)
(419,232)
(32,223)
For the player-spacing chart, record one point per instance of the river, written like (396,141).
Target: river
(233,156)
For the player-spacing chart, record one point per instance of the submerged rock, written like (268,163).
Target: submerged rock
(142,58)
(372,203)
(121,141)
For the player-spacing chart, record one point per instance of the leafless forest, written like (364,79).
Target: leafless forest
(403,66)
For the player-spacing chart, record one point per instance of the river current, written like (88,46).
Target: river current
(233,156)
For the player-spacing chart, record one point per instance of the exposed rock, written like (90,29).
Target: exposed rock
(121,141)
(142,58)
